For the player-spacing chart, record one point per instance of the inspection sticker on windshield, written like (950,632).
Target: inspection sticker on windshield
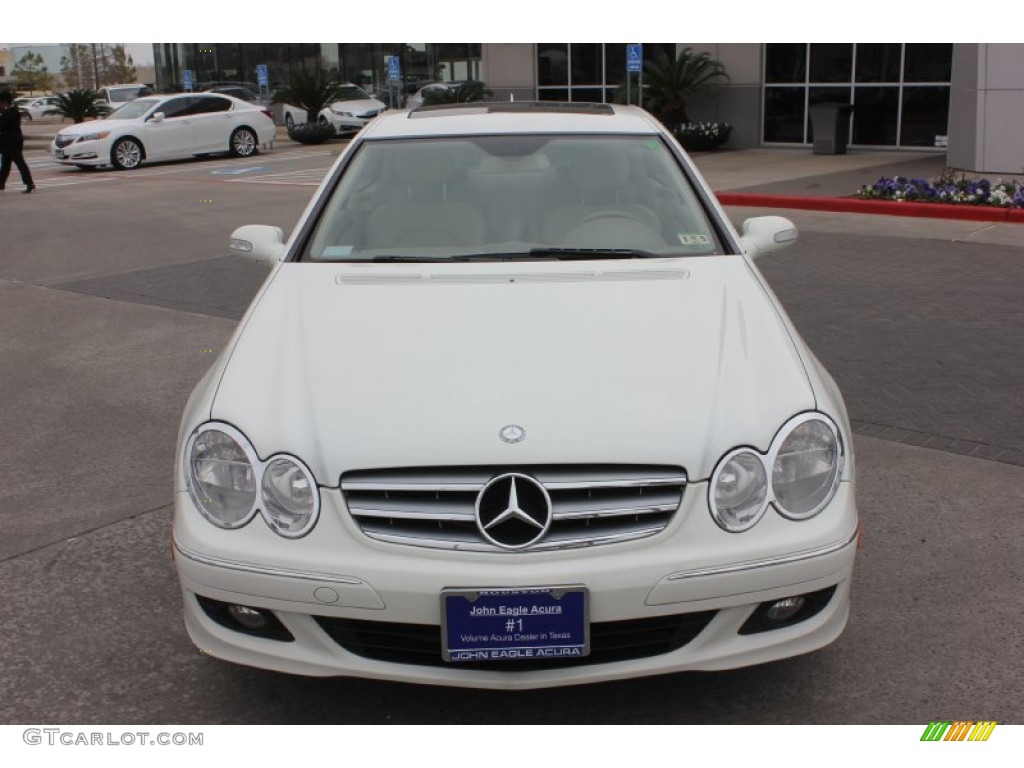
(693,238)
(514,624)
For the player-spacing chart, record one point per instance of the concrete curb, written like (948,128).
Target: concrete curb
(883,207)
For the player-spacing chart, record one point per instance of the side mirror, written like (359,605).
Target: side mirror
(767,234)
(157,117)
(259,243)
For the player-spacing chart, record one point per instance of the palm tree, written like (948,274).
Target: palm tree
(669,85)
(464,93)
(311,93)
(78,104)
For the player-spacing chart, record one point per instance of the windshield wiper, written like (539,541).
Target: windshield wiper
(583,254)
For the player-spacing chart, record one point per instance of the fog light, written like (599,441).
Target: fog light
(249,618)
(242,618)
(784,610)
(776,614)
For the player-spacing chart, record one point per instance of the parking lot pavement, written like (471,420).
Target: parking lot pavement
(116,293)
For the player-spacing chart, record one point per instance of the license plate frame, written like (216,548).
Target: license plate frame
(515,623)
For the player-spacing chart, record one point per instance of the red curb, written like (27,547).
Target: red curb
(883,207)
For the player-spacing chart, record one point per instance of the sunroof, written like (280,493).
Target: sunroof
(576,107)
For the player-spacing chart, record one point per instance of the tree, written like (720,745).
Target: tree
(31,71)
(76,67)
(78,104)
(120,67)
(670,84)
(311,93)
(90,65)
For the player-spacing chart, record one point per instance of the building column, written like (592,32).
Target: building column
(510,70)
(986,108)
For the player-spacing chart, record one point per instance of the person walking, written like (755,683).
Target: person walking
(11,143)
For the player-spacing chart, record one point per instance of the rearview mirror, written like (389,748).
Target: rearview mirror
(259,243)
(767,234)
(157,117)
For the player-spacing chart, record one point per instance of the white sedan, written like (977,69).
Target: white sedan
(514,409)
(155,128)
(353,109)
(37,107)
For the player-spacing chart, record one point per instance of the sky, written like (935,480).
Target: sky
(566,20)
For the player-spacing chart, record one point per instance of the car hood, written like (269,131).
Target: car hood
(372,366)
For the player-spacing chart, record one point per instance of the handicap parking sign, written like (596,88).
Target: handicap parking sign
(635,57)
(186,79)
(394,72)
(261,74)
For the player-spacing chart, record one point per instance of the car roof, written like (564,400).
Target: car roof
(512,117)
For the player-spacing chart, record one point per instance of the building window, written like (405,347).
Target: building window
(899,91)
(593,72)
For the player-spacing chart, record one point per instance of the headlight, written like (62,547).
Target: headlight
(290,501)
(739,490)
(341,112)
(805,463)
(805,466)
(94,136)
(222,475)
(229,483)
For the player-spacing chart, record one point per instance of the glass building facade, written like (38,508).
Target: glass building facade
(360,63)
(587,71)
(899,91)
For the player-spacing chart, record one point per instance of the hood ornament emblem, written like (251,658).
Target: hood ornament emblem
(512,433)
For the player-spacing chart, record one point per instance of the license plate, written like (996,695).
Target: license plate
(514,624)
(59,154)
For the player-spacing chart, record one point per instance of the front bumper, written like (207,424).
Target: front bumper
(94,153)
(335,576)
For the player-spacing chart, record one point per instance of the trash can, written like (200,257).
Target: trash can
(831,124)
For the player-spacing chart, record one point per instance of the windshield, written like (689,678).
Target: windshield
(119,95)
(133,109)
(518,196)
(352,93)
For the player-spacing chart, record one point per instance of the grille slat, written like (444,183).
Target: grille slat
(591,504)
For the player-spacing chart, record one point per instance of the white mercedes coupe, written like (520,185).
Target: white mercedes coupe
(514,409)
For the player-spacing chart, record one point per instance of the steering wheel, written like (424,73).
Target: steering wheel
(611,214)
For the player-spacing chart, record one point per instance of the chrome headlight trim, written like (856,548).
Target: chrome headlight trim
(773,455)
(259,470)
(768,460)
(314,515)
(716,514)
(190,481)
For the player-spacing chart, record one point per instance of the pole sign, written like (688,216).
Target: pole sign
(186,79)
(261,75)
(635,57)
(394,69)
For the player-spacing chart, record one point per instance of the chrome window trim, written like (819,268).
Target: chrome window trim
(750,565)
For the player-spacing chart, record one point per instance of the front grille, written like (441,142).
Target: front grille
(591,504)
(63,141)
(609,641)
(371,113)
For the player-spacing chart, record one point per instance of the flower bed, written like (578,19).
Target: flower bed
(948,189)
(698,137)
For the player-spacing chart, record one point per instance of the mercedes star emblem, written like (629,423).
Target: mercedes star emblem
(512,433)
(513,511)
